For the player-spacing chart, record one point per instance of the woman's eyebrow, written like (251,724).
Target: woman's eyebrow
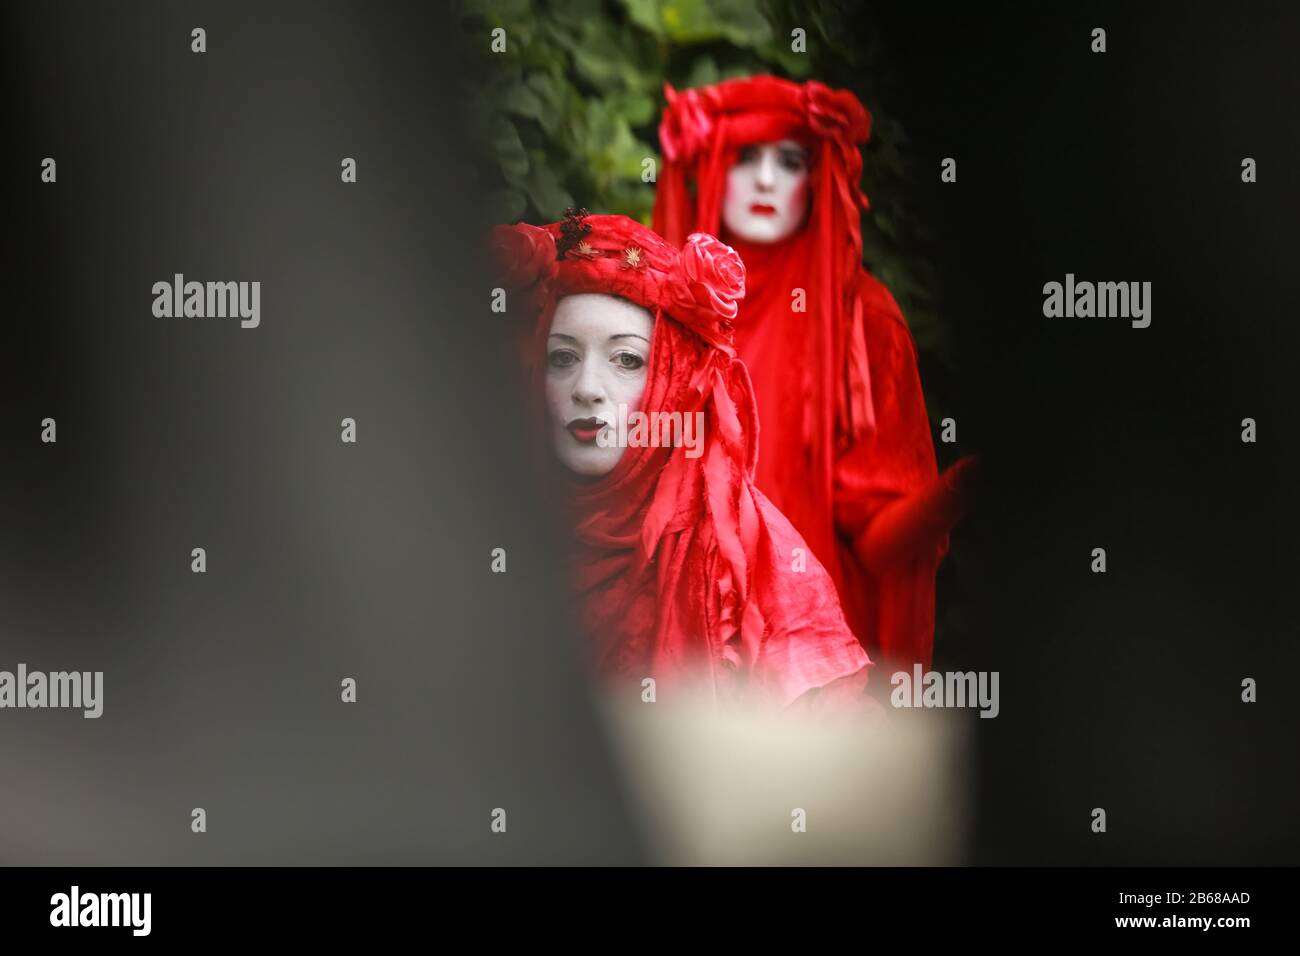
(629,335)
(561,335)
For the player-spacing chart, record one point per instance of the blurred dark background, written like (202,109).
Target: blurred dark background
(325,560)
(1120,690)
(372,560)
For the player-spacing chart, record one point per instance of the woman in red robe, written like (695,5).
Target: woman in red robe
(773,168)
(684,572)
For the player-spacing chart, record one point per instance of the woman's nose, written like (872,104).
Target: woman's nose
(587,387)
(766,175)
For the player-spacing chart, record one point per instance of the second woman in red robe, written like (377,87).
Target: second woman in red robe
(772,167)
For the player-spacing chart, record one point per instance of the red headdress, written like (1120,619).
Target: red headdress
(683,568)
(845,426)
(702,133)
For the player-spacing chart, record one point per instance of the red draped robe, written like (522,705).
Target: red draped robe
(890,608)
(844,436)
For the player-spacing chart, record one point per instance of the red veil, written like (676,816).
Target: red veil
(845,430)
(684,571)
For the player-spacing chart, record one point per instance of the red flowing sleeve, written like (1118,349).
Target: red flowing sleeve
(892,608)
(806,642)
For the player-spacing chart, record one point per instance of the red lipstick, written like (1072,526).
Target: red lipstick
(762,209)
(585,430)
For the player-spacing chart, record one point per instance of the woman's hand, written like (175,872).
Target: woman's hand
(913,526)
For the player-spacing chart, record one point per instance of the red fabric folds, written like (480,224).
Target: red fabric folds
(845,431)
(684,571)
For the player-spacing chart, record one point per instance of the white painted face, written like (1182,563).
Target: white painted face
(767,192)
(596,358)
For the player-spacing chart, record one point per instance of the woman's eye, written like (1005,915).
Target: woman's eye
(792,161)
(629,360)
(748,154)
(562,358)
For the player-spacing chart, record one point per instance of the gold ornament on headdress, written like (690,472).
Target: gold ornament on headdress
(572,231)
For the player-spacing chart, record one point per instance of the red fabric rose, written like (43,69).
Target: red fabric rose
(836,113)
(686,126)
(524,255)
(712,274)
